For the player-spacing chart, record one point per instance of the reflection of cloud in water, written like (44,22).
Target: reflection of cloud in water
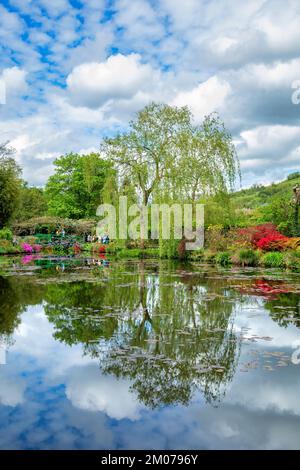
(87,389)
(53,397)
(44,349)
(11,390)
(254,317)
(275,391)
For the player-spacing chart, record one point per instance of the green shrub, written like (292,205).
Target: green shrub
(209,256)
(216,238)
(150,253)
(168,248)
(273,259)
(6,234)
(129,253)
(247,257)
(138,253)
(87,247)
(6,247)
(113,247)
(292,260)
(223,258)
(196,255)
(31,240)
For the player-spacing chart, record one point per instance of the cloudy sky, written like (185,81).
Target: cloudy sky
(75,71)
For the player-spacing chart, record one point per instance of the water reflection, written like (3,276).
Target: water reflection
(151,334)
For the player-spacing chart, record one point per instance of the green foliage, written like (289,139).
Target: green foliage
(6,247)
(168,248)
(280,212)
(209,164)
(138,253)
(146,153)
(292,260)
(219,211)
(10,184)
(215,238)
(75,189)
(32,203)
(294,175)
(273,259)
(223,258)
(167,159)
(50,225)
(209,256)
(262,204)
(6,234)
(196,255)
(248,257)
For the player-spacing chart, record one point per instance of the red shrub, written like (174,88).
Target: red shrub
(272,243)
(265,237)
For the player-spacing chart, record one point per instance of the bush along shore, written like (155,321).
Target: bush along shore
(261,245)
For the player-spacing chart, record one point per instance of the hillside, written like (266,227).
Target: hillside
(259,195)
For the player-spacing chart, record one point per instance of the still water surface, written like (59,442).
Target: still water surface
(147,354)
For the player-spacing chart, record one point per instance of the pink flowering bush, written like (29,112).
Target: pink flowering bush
(27,248)
(37,248)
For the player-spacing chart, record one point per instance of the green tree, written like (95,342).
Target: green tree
(10,184)
(169,159)
(279,211)
(146,153)
(75,189)
(32,203)
(209,165)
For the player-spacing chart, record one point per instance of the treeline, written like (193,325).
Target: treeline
(162,157)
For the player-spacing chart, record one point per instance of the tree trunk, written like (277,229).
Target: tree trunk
(145,204)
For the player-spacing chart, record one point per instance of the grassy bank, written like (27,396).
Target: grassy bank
(252,258)
(287,259)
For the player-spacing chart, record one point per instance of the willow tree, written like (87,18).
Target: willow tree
(148,150)
(168,158)
(209,165)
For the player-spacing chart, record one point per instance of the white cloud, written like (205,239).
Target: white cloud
(15,81)
(270,140)
(120,76)
(87,73)
(205,98)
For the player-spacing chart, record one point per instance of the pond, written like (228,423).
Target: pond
(106,354)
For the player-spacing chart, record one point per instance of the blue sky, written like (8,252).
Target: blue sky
(76,71)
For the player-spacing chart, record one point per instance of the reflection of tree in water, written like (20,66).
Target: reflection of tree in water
(15,295)
(285,309)
(167,329)
(281,299)
(186,339)
(169,332)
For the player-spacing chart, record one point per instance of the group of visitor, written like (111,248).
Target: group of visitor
(91,238)
(100,239)
(61,232)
